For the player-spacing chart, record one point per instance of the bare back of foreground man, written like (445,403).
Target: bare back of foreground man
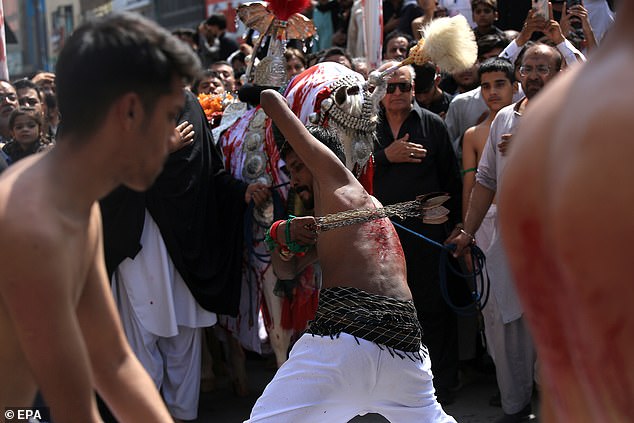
(362,353)
(567,224)
(119,82)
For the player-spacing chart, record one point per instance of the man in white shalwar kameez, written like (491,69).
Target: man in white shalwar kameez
(163,321)
(173,254)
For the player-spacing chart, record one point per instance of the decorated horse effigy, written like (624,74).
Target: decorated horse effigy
(246,139)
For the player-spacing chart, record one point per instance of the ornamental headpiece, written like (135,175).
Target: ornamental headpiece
(332,95)
(280,20)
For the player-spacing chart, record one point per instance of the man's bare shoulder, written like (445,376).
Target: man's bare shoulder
(469,134)
(32,236)
(573,146)
(28,245)
(476,135)
(23,208)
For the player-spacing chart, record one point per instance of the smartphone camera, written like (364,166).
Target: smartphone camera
(541,8)
(575,22)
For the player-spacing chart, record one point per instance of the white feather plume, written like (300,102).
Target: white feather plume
(450,43)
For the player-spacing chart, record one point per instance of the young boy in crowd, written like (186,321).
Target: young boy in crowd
(27,137)
(485,14)
(497,85)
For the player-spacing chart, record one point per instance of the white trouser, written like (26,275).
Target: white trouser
(173,362)
(334,380)
(511,346)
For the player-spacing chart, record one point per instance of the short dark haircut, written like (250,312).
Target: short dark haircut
(220,62)
(25,83)
(293,52)
(493,4)
(326,136)
(497,64)
(25,111)
(208,73)
(335,51)
(184,32)
(114,55)
(395,34)
(50,100)
(217,19)
(488,43)
(425,77)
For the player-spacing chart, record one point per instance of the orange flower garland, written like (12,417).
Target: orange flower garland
(214,105)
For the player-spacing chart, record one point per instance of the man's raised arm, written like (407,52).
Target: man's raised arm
(315,155)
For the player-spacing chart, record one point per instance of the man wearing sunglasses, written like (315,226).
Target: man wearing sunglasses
(512,343)
(414,156)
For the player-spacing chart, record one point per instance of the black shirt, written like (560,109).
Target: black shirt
(397,182)
(441,104)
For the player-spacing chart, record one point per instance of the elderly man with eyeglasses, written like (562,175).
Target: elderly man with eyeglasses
(511,342)
(413,156)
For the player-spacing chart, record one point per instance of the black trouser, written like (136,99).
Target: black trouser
(437,319)
(440,335)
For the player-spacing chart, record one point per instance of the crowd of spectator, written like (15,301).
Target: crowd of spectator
(431,136)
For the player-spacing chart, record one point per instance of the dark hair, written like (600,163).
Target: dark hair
(313,58)
(493,4)
(335,51)
(497,64)
(184,32)
(220,62)
(238,56)
(25,83)
(326,136)
(25,111)
(114,55)
(217,19)
(294,52)
(395,34)
(488,43)
(208,73)
(425,77)
(50,100)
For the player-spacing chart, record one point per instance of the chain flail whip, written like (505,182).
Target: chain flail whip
(428,207)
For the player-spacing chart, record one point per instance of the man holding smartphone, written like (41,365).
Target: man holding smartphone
(541,8)
(551,28)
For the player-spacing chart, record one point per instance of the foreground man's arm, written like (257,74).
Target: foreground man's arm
(565,214)
(40,300)
(69,332)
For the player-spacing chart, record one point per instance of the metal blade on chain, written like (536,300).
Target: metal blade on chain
(436,216)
